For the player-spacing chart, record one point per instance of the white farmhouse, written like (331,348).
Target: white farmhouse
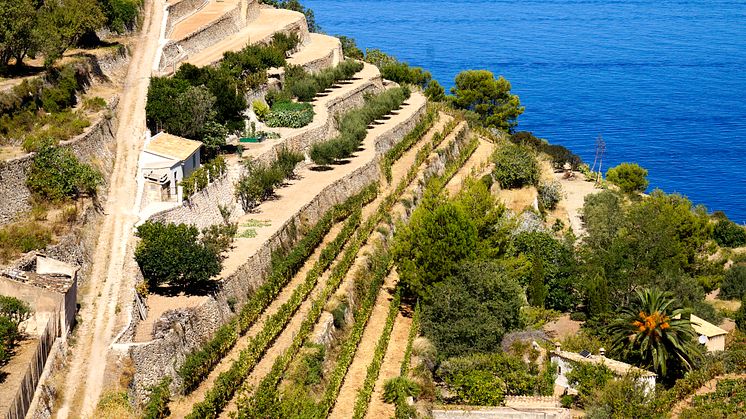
(710,335)
(565,361)
(167,159)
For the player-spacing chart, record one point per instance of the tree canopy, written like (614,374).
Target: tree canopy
(478,91)
(629,177)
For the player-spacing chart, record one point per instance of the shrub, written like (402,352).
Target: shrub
(560,155)
(629,177)
(259,180)
(550,193)
(22,238)
(8,337)
(578,316)
(15,309)
(586,378)
(261,110)
(398,388)
(158,399)
(515,167)
(740,316)
(290,115)
(56,174)
(729,234)
(734,283)
(174,254)
(306,86)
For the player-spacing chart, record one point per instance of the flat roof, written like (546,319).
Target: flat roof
(703,327)
(172,146)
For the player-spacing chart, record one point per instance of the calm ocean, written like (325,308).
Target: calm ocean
(664,82)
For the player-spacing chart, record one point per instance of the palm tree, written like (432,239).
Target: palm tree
(653,332)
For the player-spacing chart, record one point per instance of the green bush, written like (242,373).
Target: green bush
(560,155)
(353,126)
(121,15)
(259,180)
(8,337)
(202,176)
(586,378)
(729,234)
(578,316)
(261,110)
(62,94)
(550,194)
(290,115)
(158,399)
(629,177)
(174,254)
(56,174)
(734,283)
(728,400)
(515,167)
(14,308)
(740,316)
(306,86)
(398,388)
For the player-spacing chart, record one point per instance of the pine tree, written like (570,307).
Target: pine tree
(537,290)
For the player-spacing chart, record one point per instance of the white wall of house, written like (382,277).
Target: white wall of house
(716,343)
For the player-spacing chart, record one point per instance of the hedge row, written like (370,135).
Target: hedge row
(229,381)
(353,126)
(414,330)
(408,141)
(306,86)
(262,399)
(363,395)
(158,399)
(200,178)
(347,352)
(350,346)
(198,365)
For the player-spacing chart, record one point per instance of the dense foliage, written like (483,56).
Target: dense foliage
(515,167)
(195,96)
(472,310)
(289,114)
(158,398)
(728,400)
(176,255)
(202,176)
(56,174)
(12,312)
(560,155)
(629,177)
(729,234)
(478,91)
(734,283)
(586,378)
(305,86)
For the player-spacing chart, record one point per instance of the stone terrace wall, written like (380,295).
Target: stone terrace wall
(93,146)
(202,209)
(202,38)
(182,9)
(181,332)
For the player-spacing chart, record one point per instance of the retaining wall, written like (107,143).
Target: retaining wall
(202,38)
(93,146)
(182,9)
(180,332)
(202,208)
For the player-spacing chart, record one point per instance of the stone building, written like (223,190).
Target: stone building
(566,360)
(165,161)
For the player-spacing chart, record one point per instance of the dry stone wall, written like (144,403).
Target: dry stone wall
(202,38)
(94,146)
(182,9)
(181,332)
(202,208)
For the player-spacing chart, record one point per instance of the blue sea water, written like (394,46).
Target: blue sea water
(664,82)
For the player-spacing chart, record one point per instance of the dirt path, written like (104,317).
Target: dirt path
(355,377)
(181,407)
(318,47)
(99,298)
(390,368)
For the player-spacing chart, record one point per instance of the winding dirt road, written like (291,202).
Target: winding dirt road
(112,263)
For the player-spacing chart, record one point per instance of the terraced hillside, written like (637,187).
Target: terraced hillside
(310,267)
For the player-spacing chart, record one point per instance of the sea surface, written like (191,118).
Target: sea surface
(663,82)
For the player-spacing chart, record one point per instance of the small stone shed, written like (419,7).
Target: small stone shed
(565,361)
(710,335)
(165,161)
